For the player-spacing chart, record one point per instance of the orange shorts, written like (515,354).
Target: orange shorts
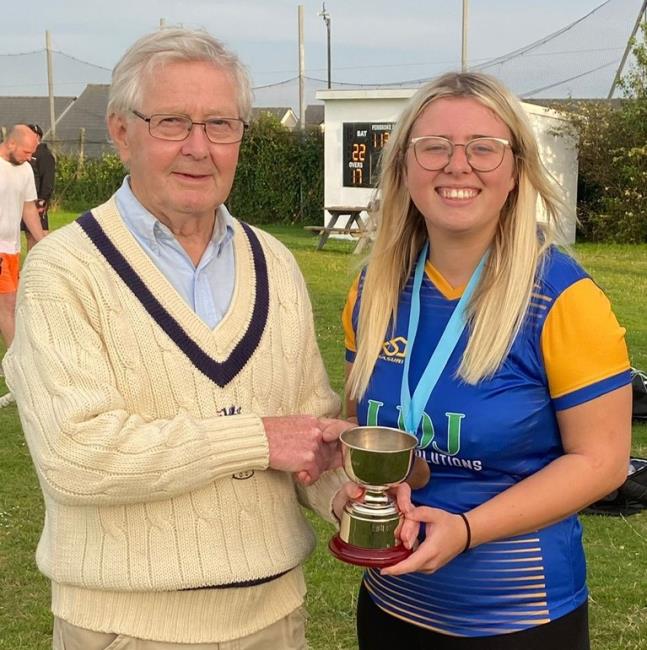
(9,272)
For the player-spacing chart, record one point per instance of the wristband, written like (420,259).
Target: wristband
(468,530)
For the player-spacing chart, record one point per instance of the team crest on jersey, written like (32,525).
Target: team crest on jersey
(393,350)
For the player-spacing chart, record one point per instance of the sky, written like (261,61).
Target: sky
(372,41)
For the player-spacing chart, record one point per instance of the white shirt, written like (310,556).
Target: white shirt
(17,186)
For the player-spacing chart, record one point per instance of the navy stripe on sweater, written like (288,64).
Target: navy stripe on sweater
(220,372)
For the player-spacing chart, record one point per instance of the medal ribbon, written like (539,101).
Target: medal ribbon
(413,405)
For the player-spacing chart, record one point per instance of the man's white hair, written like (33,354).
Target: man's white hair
(170,46)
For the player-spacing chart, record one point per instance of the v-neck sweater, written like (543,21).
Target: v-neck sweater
(154,472)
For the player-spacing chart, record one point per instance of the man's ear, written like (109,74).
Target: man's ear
(117,128)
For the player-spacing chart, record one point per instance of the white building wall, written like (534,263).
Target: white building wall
(559,154)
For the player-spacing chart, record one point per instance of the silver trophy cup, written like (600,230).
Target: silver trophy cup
(376,458)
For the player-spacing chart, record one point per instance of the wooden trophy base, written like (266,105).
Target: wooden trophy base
(376,558)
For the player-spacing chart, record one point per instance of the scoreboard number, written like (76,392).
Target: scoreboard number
(362,145)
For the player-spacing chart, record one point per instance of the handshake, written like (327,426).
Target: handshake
(304,445)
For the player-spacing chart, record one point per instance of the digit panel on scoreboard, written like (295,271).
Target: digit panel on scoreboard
(362,145)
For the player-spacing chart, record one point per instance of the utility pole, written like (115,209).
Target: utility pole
(326,18)
(616,79)
(464,38)
(50,88)
(302,100)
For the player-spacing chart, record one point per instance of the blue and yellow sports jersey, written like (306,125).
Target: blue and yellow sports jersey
(480,440)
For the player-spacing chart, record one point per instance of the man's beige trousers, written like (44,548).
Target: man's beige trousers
(286,634)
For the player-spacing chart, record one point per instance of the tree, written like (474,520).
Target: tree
(612,188)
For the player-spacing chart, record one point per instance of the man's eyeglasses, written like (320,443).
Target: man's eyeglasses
(219,130)
(483,154)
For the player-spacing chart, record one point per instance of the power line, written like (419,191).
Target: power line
(37,84)
(277,83)
(404,83)
(21,53)
(530,93)
(65,54)
(374,66)
(94,65)
(446,62)
(542,41)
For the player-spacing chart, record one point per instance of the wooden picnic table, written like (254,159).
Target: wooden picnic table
(356,226)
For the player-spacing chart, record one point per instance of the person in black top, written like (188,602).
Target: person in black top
(44,165)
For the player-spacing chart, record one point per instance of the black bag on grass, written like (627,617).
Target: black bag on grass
(630,497)
(639,390)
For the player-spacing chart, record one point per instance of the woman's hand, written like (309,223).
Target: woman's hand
(347,492)
(446,535)
(420,473)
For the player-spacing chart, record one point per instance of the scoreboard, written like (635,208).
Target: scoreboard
(362,146)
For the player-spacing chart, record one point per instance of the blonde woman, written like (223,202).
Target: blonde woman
(471,329)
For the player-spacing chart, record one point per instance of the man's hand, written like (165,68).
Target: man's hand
(331,429)
(32,220)
(297,445)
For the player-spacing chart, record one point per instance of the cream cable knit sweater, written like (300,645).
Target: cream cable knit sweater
(154,477)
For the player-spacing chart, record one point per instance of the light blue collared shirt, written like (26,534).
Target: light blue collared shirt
(208,287)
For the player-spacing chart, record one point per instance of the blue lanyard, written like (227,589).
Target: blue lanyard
(413,405)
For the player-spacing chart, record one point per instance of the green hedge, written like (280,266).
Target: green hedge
(612,179)
(612,187)
(81,185)
(279,177)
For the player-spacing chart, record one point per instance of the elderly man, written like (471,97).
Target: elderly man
(169,383)
(17,196)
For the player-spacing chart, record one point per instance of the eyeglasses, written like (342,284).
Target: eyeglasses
(219,130)
(483,154)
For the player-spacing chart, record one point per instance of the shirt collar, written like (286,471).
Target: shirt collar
(145,225)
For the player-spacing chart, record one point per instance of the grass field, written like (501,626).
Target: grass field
(616,547)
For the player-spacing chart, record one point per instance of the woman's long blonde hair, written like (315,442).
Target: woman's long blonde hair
(497,308)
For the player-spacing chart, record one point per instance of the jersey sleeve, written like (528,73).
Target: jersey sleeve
(583,346)
(348,321)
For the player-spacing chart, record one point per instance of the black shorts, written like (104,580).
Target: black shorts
(44,223)
(377,630)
